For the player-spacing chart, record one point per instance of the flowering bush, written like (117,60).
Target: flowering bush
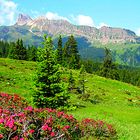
(98,129)
(21,122)
(13,103)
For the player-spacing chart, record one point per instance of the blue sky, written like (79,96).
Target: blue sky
(114,13)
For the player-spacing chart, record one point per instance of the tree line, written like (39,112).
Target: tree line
(67,55)
(17,50)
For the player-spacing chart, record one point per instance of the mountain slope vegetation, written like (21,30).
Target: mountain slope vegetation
(110,100)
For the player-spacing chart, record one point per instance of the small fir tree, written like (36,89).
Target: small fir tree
(82,79)
(49,91)
(75,57)
(71,54)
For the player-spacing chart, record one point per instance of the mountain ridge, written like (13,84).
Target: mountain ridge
(124,43)
(103,35)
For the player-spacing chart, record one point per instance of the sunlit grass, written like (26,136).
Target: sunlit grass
(119,103)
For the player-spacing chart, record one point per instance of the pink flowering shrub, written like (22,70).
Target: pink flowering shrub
(21,122)
(98,129)
(12,103)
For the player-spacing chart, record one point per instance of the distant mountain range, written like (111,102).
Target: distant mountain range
(91,40)
(26,27)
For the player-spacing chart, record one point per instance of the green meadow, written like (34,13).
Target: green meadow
(115,102)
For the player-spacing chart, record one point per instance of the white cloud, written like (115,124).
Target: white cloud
(83,20)
(1,20)
(7,12)
(138,32)
(78,20)
(102,24)
(55,16)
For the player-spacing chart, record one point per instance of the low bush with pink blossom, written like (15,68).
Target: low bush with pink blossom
(18,121)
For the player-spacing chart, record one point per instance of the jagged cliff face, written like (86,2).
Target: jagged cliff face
(91,41)
(23,19)
(104,35)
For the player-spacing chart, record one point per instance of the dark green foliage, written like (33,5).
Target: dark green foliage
(12,49)
(59,51)
(82,79)
(65,55)
(4,49)
(18,51)
(90,65)
(71,54)
(71,85)
(109,69)
(49,89)
(32,53)
(130,75)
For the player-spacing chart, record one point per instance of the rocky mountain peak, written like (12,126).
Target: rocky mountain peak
(105,34)
(23,19)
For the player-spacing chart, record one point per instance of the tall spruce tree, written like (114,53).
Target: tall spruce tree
(66,54)
(59,50)
(22,55)
(109,68)
(71,54)
(49,91)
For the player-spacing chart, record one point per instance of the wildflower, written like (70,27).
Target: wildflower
(49,120)
(31,131)
(21,114)
(49,128)
(1,121)
(45,127)
(65,127)
(10,124)
(15,138)
(0,110)
(1,136)
(29,108)
(52,134)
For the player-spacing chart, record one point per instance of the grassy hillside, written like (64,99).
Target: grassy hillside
(115,102)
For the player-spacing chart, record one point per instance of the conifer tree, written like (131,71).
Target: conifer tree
(71,85)
(49,91)
(22,55)
(71,54)
(82,79)
(109,69)
(4,48)
(32,53)
(12,51)
(59,50)
(66,54)
(18,50)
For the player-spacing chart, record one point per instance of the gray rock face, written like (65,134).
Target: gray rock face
(23,19)
(104,35)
